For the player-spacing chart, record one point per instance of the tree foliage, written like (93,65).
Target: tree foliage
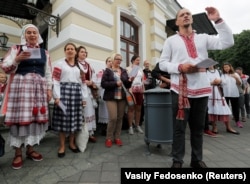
(237,55)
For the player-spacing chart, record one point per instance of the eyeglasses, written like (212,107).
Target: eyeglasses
(118,59)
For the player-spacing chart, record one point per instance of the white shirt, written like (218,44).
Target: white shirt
(175,53)
(68,74)
(229,85)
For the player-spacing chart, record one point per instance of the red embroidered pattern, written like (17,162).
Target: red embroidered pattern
(86,66)
(9,68)
(196,92)
(57,73)
(190,45)
(183,102)
(213,90)
(216,117)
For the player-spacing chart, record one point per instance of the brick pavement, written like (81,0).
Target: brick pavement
(99,164)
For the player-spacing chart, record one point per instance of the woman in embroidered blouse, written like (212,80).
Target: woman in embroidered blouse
(89,110)
(115,98)
(218,109)
(68,93)
(230,80)
(137,88)
(29,92)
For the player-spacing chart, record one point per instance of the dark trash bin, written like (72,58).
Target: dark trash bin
(158,116)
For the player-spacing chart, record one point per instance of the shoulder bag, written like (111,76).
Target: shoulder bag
(82,137)
(129,96)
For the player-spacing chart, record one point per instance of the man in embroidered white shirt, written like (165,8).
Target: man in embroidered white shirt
(190,86)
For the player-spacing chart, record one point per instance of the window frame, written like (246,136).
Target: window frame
(129,40)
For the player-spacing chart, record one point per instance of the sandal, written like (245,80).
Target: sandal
(38,156)
(17,165)
(92,139)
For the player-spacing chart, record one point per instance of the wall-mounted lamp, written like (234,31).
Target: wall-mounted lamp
(50,20)
(3,40)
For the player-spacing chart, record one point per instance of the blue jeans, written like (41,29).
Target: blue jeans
(195,117)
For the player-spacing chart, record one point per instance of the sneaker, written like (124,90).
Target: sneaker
(131,130)
(198,164)
(118,142)
(108,143)
(138,129)
(176,165)
(209,133)
(239,124)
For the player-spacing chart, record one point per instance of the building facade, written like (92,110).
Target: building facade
(104,27)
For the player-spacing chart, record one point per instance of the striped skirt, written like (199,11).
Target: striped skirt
(71,97)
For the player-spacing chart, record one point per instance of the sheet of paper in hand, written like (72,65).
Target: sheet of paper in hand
(35,53)
(134,71)
(63,107)
(206,63)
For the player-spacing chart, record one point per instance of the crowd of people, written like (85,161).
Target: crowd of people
(200,96)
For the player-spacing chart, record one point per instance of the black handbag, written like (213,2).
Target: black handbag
(2,146)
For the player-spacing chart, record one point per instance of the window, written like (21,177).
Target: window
(129,39)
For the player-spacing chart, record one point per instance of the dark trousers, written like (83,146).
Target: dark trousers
(247,103)
(206,127)
(234,101)
(195,117)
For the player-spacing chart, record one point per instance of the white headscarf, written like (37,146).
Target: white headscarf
(23,40)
